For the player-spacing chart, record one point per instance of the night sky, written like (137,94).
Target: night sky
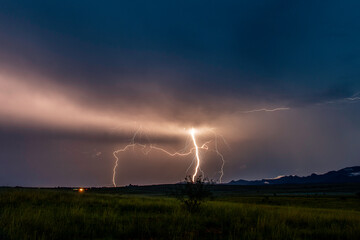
(279,81)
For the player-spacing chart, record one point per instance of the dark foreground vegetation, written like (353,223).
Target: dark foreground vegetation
(116,214)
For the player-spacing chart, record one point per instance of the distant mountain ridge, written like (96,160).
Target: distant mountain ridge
(345,175)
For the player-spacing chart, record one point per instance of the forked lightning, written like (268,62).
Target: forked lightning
(195,149)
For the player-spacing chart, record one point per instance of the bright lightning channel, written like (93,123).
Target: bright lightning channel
(182,153)
(192,132)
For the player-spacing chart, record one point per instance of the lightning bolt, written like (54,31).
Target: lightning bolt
(267,110)
(192,132)
(117,159)
(146,149)
(196,149)
(222,159)
(354,97)
(182,153)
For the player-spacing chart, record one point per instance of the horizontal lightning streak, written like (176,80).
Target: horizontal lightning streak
(353,98)
(267,110)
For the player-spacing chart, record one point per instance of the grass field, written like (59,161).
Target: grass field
(64,214)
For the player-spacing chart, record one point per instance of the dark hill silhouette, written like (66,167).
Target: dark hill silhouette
(345,175)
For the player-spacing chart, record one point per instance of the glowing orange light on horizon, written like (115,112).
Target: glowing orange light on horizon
(81,190)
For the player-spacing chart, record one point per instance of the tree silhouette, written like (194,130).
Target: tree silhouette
(194,193)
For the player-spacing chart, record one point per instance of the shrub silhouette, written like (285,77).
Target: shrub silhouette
(194,193)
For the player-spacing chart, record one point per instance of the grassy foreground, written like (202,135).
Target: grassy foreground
(51,214)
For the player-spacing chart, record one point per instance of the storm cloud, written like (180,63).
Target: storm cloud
(77,79)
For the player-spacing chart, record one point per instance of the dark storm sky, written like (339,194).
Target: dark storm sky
(78,78)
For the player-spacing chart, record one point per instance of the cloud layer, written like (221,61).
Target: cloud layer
(278,80)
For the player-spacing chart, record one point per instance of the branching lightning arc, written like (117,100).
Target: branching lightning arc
(147,148)
(195,149)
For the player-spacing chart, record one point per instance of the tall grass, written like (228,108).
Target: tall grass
(46,214)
